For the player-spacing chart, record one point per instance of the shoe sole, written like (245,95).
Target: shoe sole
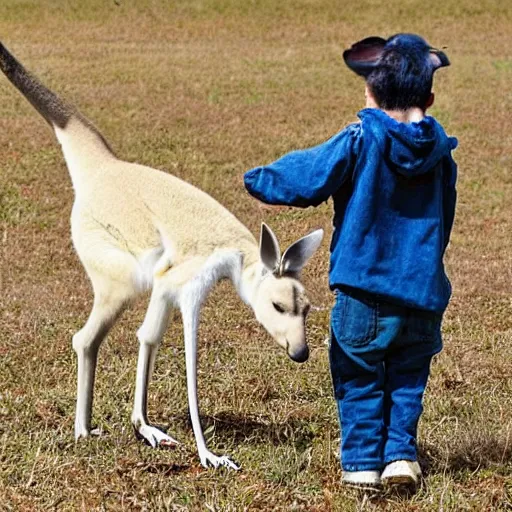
(369,487)
(368,490)
(399,480)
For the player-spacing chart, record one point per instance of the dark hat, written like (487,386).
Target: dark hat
(364,56)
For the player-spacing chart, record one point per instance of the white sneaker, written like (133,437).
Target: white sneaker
(402,472)
(362,479)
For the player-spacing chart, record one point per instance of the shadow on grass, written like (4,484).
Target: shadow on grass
(478,451)
(297,431)
(259,430)
(475,451)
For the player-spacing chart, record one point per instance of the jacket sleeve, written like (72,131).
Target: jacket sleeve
(306,177)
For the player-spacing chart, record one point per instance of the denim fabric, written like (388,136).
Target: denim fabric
(393,187)
(380,357)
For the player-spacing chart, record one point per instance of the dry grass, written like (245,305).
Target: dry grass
(207,89)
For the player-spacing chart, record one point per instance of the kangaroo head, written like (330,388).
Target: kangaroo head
(280,303)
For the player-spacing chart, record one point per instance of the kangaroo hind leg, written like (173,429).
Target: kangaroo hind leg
(150,337)
(109,302)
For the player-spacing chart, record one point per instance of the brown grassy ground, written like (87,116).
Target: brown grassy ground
(205,90)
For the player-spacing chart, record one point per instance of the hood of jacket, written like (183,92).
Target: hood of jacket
(412,148)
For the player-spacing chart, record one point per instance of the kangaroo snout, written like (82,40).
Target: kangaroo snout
(299,355)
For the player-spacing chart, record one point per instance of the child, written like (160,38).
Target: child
(392,180)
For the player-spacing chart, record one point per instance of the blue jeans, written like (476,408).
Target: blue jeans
(380,357)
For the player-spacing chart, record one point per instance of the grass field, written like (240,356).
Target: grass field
(206,90)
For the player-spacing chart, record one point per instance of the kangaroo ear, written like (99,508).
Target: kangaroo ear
(438,58)
(362,57)
(270,254)
(297,255)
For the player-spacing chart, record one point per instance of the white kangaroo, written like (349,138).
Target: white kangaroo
(135,229)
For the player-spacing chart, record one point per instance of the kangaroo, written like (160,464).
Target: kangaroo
(137,229)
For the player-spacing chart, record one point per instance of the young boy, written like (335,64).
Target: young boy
(392,180)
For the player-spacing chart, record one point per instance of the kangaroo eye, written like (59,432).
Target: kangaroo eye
(278,307)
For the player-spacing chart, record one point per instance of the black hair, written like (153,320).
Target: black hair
(401,80)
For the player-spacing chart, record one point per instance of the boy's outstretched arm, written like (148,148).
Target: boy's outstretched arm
(306,177)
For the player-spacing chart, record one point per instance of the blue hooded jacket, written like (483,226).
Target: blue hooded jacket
(393,186)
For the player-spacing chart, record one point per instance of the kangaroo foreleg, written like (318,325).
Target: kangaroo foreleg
(150,336)
(190,307)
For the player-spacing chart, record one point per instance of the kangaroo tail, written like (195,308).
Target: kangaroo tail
(55,111)
(52,108)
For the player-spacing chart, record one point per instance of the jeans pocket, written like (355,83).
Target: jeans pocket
(354,320)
